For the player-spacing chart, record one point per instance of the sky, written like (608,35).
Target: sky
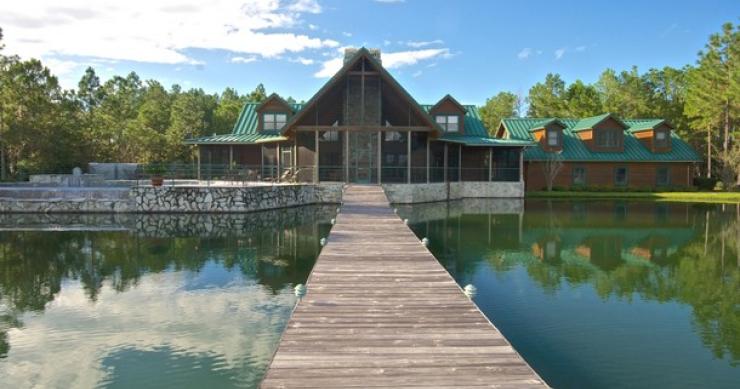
(469,49)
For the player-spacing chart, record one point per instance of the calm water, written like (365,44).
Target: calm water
(601,294)
(151,301)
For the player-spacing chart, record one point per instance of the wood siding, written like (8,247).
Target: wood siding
(639,174)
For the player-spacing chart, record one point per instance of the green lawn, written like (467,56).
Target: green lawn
(704,197)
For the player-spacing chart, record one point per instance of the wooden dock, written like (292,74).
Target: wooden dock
(382,312)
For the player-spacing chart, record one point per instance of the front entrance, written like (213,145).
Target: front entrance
(363,157)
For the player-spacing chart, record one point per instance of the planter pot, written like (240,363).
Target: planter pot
(157,181)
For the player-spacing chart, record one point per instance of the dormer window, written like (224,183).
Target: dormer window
(449,123)
(553,137)
(608,138)
(274,120)
(661,139)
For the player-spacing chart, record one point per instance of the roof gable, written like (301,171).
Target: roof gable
(590,122)
(361,54)
(647,124)
(450,99)
(274,98)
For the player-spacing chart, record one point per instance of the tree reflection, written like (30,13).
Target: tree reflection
(276,249)
(658,251)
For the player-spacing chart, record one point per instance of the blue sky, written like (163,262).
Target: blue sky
(470,49)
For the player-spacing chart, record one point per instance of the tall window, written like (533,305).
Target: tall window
(579,175)
(620,176)
(274,121)
(661,139)
(449,123)
(608,137)
(553,138)
(662,176)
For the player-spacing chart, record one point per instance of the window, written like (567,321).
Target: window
(449,123)
(393,136)
(608,137)
(553,138)
(620,176)
(274,121)
(662,176)
(661,139)
(579,176)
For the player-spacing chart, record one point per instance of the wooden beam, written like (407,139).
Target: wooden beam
(363,73)
(373,128)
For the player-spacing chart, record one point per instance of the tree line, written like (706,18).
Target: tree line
(45,128)
(701,101)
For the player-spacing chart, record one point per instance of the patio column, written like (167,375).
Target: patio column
(408,157)
(316,158)
(198,167)
(490,164)
(445,164)
(521,165)
(277,161)
(380,157)
(346,156)
(428,159)
(459,163)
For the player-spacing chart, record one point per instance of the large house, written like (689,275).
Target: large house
(602,151)
(363,127)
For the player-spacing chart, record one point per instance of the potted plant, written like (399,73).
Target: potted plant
(156,173)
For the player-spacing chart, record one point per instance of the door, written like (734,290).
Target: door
(363,157)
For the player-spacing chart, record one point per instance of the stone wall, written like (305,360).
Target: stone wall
(424,193)
(175,199)
(231,199)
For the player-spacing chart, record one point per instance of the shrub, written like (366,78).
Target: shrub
(705,183)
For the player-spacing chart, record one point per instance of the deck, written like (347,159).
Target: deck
(382,312)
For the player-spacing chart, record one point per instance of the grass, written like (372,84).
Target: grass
(702,197)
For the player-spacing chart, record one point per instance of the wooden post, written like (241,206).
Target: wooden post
(346,156)
(445,164)
(198,166)
(277,161)
(521,165)
(380,157)
(408,157)
(490,164)
(459,163)
(316,158)
(428,157)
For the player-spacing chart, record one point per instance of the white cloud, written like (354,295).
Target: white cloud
(243,59)
(581,48)
(138,30)
(313,27)
(302,61)
(390,60)
(390,1)
(386,42)
(420,44)
(347,34)
(417,73)
(525,53)
(559,53)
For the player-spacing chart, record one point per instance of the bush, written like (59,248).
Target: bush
(156,169)
(705,183)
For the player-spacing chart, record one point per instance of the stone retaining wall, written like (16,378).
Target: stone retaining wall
(425,193)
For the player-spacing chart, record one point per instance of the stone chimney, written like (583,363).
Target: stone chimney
(351,51)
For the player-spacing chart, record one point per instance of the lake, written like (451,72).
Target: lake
(136,301)
(591,293)
(607,294)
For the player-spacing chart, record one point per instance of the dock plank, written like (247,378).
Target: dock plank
(380,311)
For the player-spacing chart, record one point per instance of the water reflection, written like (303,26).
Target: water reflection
(661,257)
(165,300)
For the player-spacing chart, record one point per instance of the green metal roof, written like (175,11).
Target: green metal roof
(645,124)
(576,150)
(245,130)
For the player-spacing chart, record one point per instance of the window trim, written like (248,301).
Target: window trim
(666,142)
(602,134)
(626,176)
(274,122)
(667,176)
(558,137)
(573,176)
(446,123)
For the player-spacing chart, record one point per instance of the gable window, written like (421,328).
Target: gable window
(662,176)
(553,138)
(329,136)
(608,137)
(449,123)
(620,176)
(274,121)
(661,139)
(579,175)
